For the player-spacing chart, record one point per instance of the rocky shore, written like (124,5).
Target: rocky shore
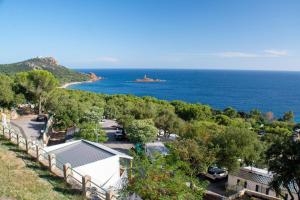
(93,77)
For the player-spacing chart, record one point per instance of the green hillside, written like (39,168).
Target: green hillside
(62,73)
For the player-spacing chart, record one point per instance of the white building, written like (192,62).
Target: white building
(88,158)
(255,181)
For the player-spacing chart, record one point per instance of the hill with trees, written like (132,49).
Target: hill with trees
(62,73)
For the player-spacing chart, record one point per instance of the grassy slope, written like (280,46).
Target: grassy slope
(22,178)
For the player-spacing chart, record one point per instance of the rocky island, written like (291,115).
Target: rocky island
(93,77)
(147,80)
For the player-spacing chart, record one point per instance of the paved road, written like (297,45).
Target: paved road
(30,128)
(109,127)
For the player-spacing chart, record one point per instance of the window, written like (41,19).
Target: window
(267,191)
(257,188)
(245,184)
(238,182)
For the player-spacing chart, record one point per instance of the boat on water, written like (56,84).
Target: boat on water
(147,80)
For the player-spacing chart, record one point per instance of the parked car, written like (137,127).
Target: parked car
(120,134)
(216,173)
(41,118)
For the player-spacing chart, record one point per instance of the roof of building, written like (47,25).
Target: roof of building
(83,152)
(261,176)
(254,174)
(157,147)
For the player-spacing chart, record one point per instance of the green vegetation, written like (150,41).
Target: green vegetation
(37,85)
(161,179)
(226,138)
(6,92)
(141,131)
(284,160)
(23,178)
(62,73)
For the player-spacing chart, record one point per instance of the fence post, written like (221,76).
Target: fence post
(37,148)
(86,184)
(52,162)
(9,135)
(18,140)
(67,171)
(130,171)
(27,145)
(109,195)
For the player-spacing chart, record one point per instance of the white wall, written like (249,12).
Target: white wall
(102,171)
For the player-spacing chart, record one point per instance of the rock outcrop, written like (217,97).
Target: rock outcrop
(94,77)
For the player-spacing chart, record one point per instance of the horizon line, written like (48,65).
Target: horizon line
(182,68)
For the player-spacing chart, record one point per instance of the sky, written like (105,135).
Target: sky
(204,34)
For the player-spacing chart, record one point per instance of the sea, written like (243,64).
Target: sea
(274,91)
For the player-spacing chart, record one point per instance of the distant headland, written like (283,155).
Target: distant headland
(93,77)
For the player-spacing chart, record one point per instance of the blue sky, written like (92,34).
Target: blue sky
(210,34)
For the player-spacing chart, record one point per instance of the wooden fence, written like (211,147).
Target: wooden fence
(89,189)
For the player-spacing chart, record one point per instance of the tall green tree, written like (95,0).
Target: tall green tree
(141,131)
(91,131)
(288,116)
(197,156)
(168,121)
(283,158)
(190,112)
(38,84)
(230,112)
(6,91)
(237,145)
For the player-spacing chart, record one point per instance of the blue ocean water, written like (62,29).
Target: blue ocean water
(244,90)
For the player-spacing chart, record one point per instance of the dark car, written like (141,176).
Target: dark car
(120,134)
(41,118)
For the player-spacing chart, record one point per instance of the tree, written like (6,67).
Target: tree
(91,131)
(288,116)
(230,112)
(37,83)
(283,158)
(190,112)
(94,114)
(237,144)
(223,119)
(157,179)
(256,114)
(198,156)
(141,131)
(72,107)
(6,91)
(168,121)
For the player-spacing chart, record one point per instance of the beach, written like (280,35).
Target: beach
(66,85)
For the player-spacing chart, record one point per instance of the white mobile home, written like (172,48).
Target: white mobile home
(88,158)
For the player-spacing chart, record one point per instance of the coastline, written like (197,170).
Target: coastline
(66,85)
